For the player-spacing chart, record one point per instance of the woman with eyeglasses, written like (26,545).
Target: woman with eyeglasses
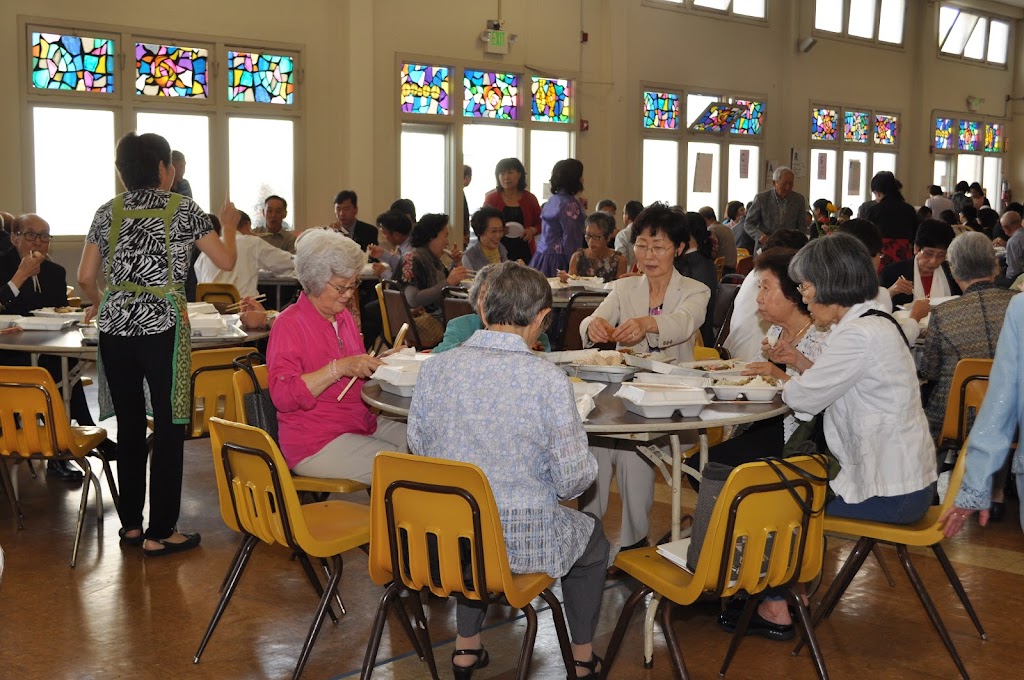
(597,259)
(314,351)
(659,311)
(422,273)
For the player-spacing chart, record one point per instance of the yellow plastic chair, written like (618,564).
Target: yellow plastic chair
(220,295)
(34,426)
(753,505)
(385,331)
(265,507)
(212,395)
(926,533)
(719,268)
(741,253)
(443,510)
(966,392)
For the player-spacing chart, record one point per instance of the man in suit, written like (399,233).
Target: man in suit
(33,282)
(346,208)
(927,275)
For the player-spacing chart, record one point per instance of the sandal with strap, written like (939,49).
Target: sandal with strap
(595,666)
(466,672)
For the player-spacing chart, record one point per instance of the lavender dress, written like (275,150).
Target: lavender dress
(562,222)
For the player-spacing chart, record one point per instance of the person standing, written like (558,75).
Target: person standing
(517,206)
(896,218)
(778,208)
(562,218)
(937,201)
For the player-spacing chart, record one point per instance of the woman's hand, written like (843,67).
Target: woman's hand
(379,268)
(229,215)
(600,330)
(528,233)
(920,309)
(374,251)
(767,369)
(632,331)
(785,353)
(456,255)
(902,286)
(252,313)
(91,312)
(359,366)
(456,275)
(563,276)
(954,519)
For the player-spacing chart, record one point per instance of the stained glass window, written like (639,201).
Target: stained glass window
(944,133)
(969,132)
(551,102)
(993,137)
(824,124)
(170,71)
(425,89)
(70,62)
(855,127)
(267,78)
(716,117)
(490,95)
(661,110)
(751,118)
(885,129)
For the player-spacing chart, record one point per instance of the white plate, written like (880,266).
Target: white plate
(584,281)
(660,379)
(8,320)
(51,312)
(752,394)
(655,361)
(45,323)
(201,308)
(735,367)
(611,374)
(514,229)
(217,333)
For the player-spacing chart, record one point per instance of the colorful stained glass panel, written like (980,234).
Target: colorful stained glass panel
(885,129)
(551,100)
(70,62)
(824,124)
(490,95)
(751,118)
(944,133)
(969,135)
(993,137)
(266,78)
(661,110)
(425,89)
(170,71)
(716,117)
(855,127)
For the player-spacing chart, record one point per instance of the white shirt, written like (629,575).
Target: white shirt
(938,204)
(254,254)
(746,328)
(911,328)
(623,245)
(875,425)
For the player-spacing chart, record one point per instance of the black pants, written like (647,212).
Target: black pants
(127,362)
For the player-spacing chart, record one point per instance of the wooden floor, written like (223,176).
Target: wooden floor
(120,615)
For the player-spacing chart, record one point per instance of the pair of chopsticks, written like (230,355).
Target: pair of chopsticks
(398,343)
(237,306)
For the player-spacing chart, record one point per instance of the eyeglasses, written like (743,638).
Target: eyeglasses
(802,287)
(341,290)
(594,237)
(657,251)
(32,236)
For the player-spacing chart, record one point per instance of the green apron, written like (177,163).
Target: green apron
(181,364)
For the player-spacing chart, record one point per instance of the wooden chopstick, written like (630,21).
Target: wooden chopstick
(398,341)
(238,305)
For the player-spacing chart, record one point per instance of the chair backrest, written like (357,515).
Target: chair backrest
(454,303)
(781,542)
(220,295)
(742,252)
(744,265)
(396,309)
(385,322)
(719,268)
(434,524)
(33,421)
(966,393)
(701,353)
(579,307)
(725,300)
(212,394)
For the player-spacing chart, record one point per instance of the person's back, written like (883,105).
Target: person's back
(938,203)
(254,254)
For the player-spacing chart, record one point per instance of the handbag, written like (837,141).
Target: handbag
(429,329)
(259,409)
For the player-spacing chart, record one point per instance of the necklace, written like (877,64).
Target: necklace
(800,333)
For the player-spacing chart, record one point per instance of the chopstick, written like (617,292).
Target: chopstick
(237,306)
(398,341)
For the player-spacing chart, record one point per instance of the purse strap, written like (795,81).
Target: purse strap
(777,464)
(878,312)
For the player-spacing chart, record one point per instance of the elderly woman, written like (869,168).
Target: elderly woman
(314,352)
(597,259)
(562,218)
(422,273)
(531,445)
(658,311)
(927,275)
(865,383)
(143,239)
(517,204)
(489,228)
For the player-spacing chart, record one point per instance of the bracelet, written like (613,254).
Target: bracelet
(332,369)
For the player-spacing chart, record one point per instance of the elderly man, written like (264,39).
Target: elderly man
(32,282)
(181,185)
(723,235)
(778,208)
(346,208)
(254,254)
(275,209)
(1011,224)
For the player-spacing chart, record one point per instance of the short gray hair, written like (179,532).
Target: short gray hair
(479,285)
(322,254)
(780,171)
(603,221)
(515,295)
(840,268)
(971,256)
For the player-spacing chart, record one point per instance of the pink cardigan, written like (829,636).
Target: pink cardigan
(302,341)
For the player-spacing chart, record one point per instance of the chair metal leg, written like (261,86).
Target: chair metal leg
(620,628)
(418,635)
(929,607)
(32,468)
(526,653)
(337,595)
(115,497)
(954,581)
(842,581)
(741,630)
(370,658)
(81,511)
(318,618)
(876,550)
(803,624)
(234,562)
(5,477)
(563,634)
(235,570)
(667,606)
(314,580)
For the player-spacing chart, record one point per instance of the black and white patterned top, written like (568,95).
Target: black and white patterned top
(141,258)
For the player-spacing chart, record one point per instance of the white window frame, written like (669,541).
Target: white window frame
(688,6)
(989,18)
(953,155)
(844,34)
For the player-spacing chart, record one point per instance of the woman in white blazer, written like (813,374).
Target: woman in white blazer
(658,311)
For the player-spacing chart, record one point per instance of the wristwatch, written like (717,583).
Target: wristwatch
(271,315)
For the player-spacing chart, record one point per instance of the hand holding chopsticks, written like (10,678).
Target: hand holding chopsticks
(398,343)
(240,305)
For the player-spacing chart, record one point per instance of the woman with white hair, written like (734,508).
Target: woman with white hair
(314,349)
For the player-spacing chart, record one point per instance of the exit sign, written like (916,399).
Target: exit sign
(498,44)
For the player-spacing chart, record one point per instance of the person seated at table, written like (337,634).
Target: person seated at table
(35,281)
(254,255)
(461,328)
(865,384)
(531,446)
(314,352)
(658,311)
(395,227)
(596,259)
(927,274)
(489,227)
(422,274)
(696,263)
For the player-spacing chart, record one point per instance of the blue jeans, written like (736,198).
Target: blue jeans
(905,509)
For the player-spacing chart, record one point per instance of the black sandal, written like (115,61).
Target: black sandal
(595,666)
(466,672)
(131,540)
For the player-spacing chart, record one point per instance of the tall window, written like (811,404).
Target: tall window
(969,149)
(875,20)
(973,36)
(750,9)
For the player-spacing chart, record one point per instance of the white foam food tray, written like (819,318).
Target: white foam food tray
(658,403)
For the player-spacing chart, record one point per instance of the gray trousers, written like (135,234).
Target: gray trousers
(582,588)
(350,456)
(636,489)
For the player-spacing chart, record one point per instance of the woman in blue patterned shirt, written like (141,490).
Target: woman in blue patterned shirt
(492,403)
